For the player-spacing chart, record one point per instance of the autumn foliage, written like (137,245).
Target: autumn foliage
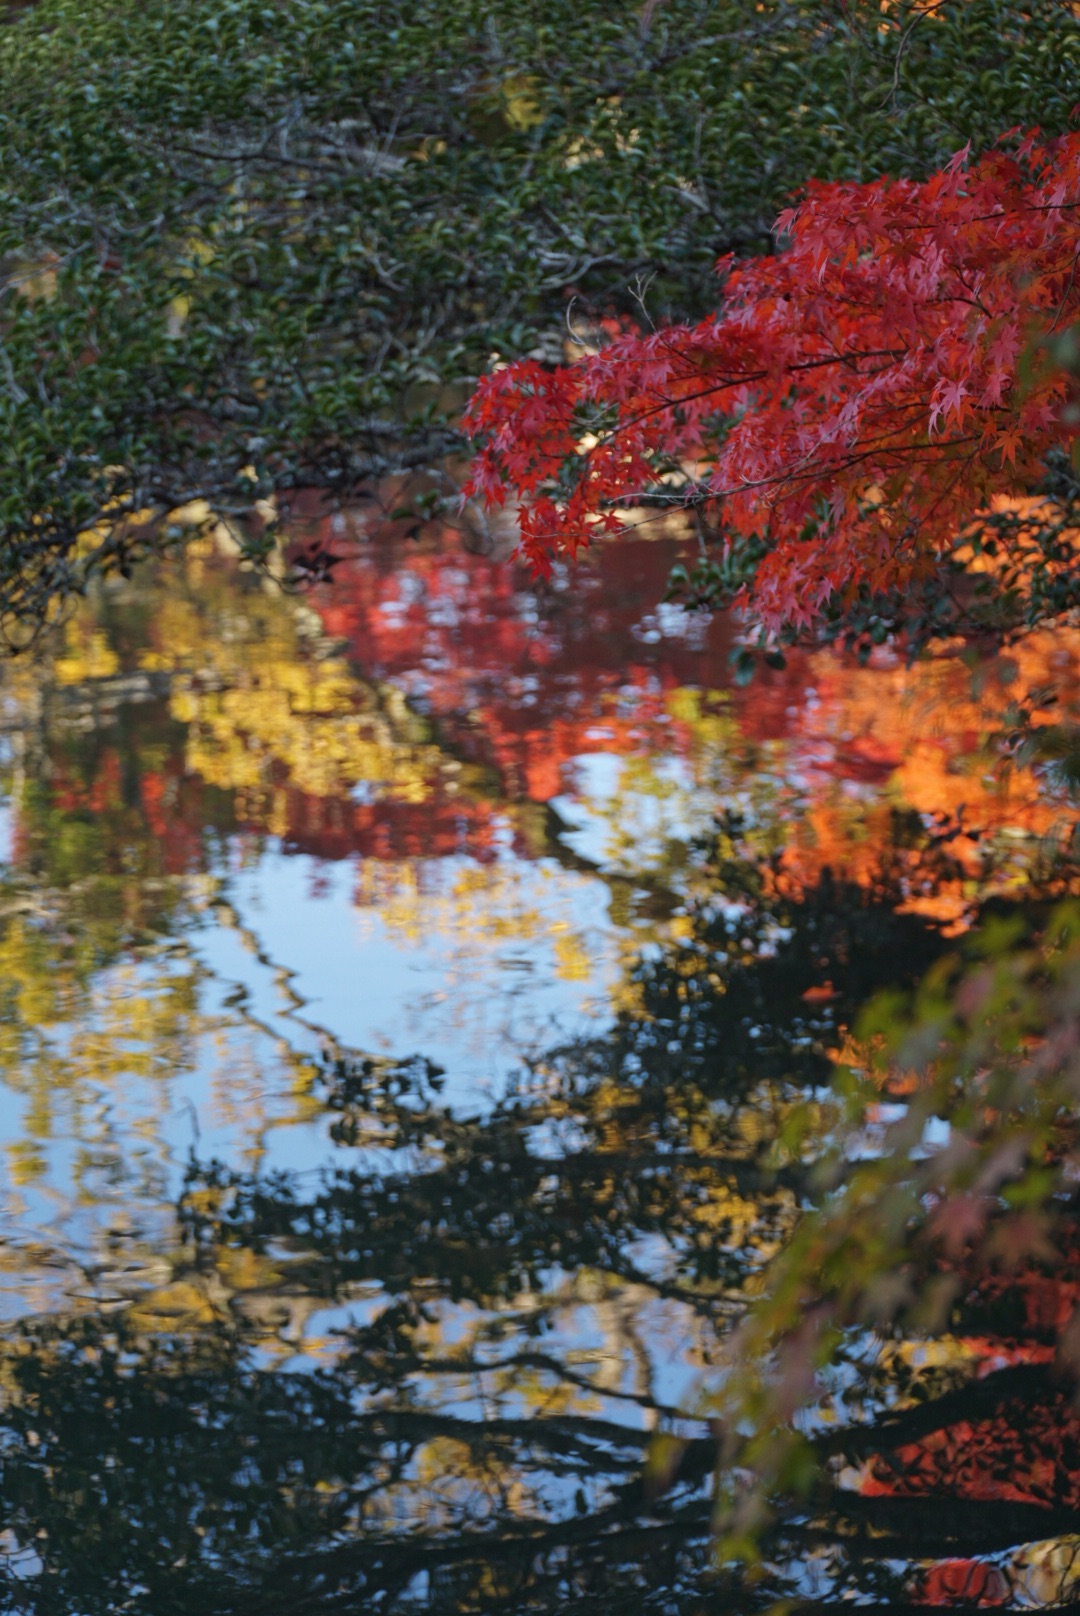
(859,396)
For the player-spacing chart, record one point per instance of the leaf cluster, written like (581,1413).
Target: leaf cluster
(873,384)
(920,1205)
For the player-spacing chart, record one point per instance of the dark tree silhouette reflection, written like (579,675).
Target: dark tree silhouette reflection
(513,1307)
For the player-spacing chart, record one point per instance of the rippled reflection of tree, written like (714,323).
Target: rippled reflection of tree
(452,1452)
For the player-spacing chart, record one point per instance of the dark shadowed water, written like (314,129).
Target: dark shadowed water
(399,989)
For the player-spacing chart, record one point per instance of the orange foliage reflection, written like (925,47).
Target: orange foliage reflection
(872,768)
(864,743)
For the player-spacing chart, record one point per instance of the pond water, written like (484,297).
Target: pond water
(399,987)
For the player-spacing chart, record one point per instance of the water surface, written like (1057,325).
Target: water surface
(399,989)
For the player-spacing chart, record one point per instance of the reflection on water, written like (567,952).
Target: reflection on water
(400,990)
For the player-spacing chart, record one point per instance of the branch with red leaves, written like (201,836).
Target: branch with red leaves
(853,403)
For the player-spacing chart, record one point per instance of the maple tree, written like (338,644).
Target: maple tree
(861,394)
